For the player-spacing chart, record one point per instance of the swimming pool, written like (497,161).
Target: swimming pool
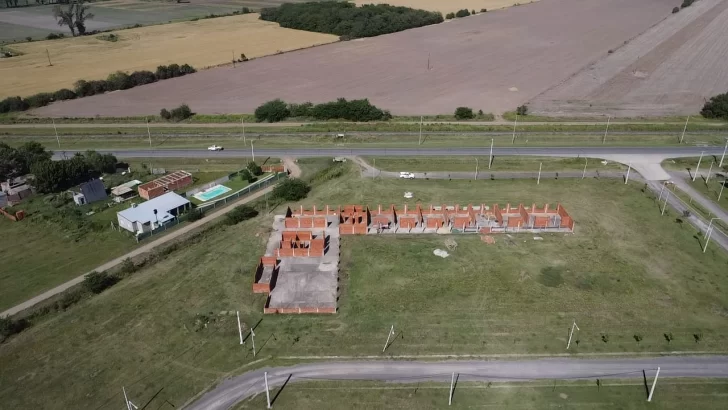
(210,193)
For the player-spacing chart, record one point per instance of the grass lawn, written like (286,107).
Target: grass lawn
(675,394)
(500,163)
(37,256)
(699,209)
(625,272)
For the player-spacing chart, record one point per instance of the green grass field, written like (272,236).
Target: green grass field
(626,271)
(500,163)
(675,394)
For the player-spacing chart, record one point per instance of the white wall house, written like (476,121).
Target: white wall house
(143,218)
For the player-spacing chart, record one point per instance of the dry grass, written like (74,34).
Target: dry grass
(447,6)
(200,43)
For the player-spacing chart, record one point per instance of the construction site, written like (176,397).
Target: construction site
(299,271)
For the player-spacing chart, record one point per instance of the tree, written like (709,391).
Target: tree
(272,111)
(254,169)
(119,81)
(73,16)
(717,107)
(181,113)
(31,153)
(165,114)
(247,175)
(464,113)
(10,166)
(462,13)
(100,163)
(522,110)
(13,104)
(291,190)
(675,10)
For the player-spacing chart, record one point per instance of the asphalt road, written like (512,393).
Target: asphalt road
(595,152)
(233,390)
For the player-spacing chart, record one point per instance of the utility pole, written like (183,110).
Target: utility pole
(49,58)
(514,129)
(583,174)
(661,191)
(391,331)
(267,393)
(698,167)
(722,157)
(56,131)
(252,337)
(709,171)
(240,329)
(665,204)
(149,133)
(725,181)
(490,161)
(476,168)
(684,129)
(129,404)
(573,326)
(252,150)
(452,385)
(654,382)
(710,225)
(419,141)
(607,130)
(538,181)
(707,239)
(629,167)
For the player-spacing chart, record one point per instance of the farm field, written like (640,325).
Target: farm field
(37,21)
(392,70)
(669,70)
(200,43)
(674,394)
(162,328)
(448,6)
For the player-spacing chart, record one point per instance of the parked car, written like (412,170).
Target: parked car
(407,175)
(215,148)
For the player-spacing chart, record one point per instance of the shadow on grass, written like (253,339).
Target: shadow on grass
(278,393)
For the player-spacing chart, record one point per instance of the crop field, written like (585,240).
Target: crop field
(627,275)
(448,6)
(36,22)
(669,70)
(200,43)
(469,65)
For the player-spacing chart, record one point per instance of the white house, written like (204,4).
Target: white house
(151,214)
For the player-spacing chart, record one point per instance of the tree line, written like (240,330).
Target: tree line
(347,20)
(354,110)
(52,176)
(716,107)
(83,88)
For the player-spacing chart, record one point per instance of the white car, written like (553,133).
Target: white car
(215,148)
(407,175)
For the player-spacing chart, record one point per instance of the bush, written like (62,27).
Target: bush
(462,13)
(345,19)
(450,16)
(39,100)
(142,77)
(464,113)
(686,3)
(522,110)
(178,114)
(240,214)
(186,69)
(675,10)
(9,327)
(118,81)
(55,36)
(108,37)
(716,107)
(165,114)
(291,190)
(247,175)
(300,110)
(272,111)
(483,10)
(97,282)
(254,169)
(195,215)
(69,299)
(354,110)
(85,88)
(246,10)
(13,104)
(64,94)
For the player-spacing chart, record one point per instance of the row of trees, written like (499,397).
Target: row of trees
(83,88)
(716,107)
(347,20)
(15,162)
(354,110)
(56,176)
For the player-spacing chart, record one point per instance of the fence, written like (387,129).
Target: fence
(269,180)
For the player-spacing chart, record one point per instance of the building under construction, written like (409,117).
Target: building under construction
(299,271)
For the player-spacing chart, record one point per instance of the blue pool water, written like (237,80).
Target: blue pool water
(212,193)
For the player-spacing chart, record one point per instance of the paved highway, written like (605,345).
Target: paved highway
(233,390)
(595,152)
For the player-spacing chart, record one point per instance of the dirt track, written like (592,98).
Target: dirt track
(671,69)
(493,61)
